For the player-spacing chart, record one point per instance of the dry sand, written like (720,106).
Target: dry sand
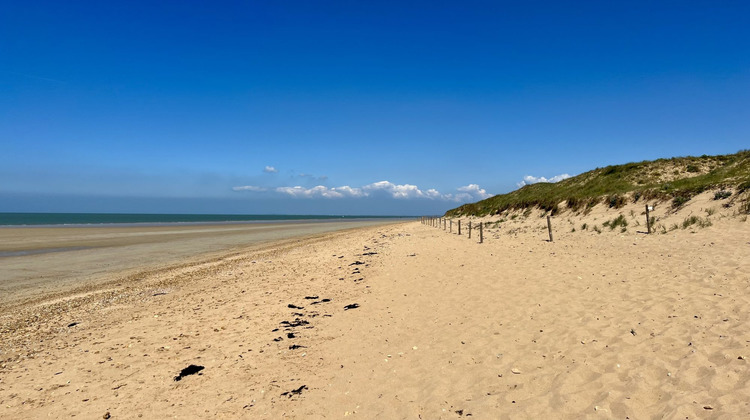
(611,325)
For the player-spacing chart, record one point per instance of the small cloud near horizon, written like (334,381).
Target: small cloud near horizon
(270,170)
(471,192)
(528,179)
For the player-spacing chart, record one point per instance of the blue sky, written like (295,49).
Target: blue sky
(353,107)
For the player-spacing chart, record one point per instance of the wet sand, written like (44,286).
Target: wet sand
(38,261)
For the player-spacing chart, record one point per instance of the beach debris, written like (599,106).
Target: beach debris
(370,253)
(515,371)
(291,306)
(351,306)
(311,297)
(632,331)
(190,370)
(321,301)
(106,415)
(296,346)
(290,335)
(412,255)
(297,323)
(294,392)
(356,263)
(277,339)
(72,324)
(707,407)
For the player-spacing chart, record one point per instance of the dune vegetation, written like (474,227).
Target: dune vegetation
(676,179)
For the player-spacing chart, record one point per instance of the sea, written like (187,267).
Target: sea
(88,219)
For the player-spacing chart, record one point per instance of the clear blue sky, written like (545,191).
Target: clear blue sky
(367,107)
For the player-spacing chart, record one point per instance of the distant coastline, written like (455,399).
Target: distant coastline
(157,219)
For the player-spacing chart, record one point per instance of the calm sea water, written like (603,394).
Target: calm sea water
(40,219)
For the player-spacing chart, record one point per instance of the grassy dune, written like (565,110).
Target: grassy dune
(676,179)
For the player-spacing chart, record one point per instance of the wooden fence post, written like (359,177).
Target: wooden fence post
(648,222)
(459,227)
(549,228)
(470,230)
(450,229)
(481,236)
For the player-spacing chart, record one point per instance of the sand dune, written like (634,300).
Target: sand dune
(611,325)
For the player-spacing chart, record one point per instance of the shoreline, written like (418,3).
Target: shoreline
(210,223)
(41,261)
(9,219)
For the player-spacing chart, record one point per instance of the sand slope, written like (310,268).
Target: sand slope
(611,325)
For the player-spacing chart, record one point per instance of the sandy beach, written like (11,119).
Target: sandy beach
(407,321)
(39,261)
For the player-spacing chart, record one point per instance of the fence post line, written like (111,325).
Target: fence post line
(549,228)
(481,237)
(648,222)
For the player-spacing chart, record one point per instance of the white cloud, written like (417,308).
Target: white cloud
(351,192)
(321,191)
(471,192)
(396,191)
(249,188)
(270,170)
(528,179)
(475,191)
